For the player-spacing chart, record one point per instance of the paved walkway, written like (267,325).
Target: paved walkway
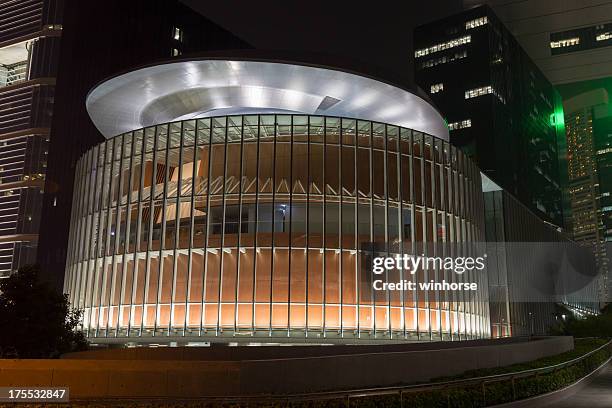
(596,394)
(592,392)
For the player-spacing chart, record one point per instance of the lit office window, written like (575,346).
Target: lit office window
(443,46)
(178,34)
(13,73)
(483,90)
(604,36)
(435,88)
(477,22)
(604,151)
(443,59)
(460,125)
(581,39)
(568,42)
(14,61)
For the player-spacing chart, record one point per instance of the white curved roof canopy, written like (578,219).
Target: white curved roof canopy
(190,89)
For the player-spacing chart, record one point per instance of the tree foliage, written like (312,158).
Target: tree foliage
(36,321)
(590,326)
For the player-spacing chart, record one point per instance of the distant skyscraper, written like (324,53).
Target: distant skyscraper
(589,143)
(499,106)
(29,50)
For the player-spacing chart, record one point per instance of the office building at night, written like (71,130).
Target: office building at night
(501,110)
(29,53)
(569,40)
(233,201)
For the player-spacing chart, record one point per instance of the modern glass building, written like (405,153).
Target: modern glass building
(569,45)
(501,109)
(232,202)
(29,53)
(524,292)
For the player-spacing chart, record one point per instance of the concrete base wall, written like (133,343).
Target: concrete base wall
(223,352)
(105,378)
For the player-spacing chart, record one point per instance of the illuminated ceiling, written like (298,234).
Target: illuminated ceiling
(189,89)
(14,53)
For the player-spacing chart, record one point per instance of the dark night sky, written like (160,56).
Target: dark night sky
(378,33)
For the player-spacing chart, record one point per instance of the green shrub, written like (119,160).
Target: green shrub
(391,400)
(465,397)
(426,399)
(499,392)
(591,326)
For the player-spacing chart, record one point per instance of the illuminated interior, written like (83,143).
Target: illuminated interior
(254,225)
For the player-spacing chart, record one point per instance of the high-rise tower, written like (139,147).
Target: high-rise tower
(29,52)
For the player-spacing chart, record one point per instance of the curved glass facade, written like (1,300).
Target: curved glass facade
(253,226)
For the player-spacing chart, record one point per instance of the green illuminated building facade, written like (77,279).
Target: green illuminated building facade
(500,107)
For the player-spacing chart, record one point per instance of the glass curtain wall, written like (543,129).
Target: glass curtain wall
(254,225)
